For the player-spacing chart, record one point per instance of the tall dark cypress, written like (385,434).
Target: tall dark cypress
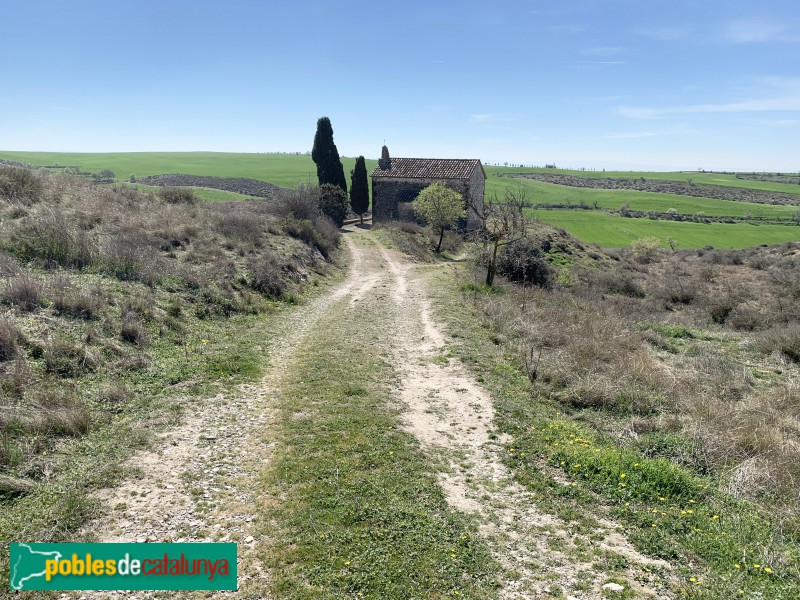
(326,156)
(359,188)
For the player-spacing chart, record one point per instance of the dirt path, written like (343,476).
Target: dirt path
(198,484)
(452,416)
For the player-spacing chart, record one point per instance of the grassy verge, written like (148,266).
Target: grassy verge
(720,547)
(356,510)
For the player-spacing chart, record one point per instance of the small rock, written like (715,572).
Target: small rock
(613,587)
(248,539)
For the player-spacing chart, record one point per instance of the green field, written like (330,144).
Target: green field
(285,170)
(538,192)
(695,177)
(615,231)
(289,170)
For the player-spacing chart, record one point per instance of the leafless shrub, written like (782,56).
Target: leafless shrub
(10,338)
(132,330)
(242,228)
(617,280)
(724,257)
(784,341)
(116,394)
(135,362)
(16,377)
(8,266)
(46,236)
(407,227)
(73,301)
(23,291)
(302,205)
(47,409)
(266,276)
(14,486)
(676,288)
(63,358)
(20,185)
(321,234)
(761,435)
(129,257)
(745,317)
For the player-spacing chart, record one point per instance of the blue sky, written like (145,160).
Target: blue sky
(599,84)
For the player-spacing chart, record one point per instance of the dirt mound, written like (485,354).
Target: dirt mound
(240,185)
(680,188)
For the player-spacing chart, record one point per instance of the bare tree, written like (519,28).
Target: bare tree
(502,223)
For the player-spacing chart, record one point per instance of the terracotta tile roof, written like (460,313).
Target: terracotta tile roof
(430,168)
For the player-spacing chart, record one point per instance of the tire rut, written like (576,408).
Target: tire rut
(199,482)
(452,417)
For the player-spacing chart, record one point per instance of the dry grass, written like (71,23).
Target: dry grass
(23,291)
(94,277)
(10,337)
(704,345)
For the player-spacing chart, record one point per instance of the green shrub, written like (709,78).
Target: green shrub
(645,250)
(177,195)
(333,203)
(523,262)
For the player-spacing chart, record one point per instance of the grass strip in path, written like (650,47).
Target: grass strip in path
(353,508)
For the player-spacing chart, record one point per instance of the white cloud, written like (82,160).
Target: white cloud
(603,51)
(487,118)
(601,62)
(665,34)
(759,30)
(749,106)
(631,136)
(573,29)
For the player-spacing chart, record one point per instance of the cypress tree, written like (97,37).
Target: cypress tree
(326,156)
(359,189)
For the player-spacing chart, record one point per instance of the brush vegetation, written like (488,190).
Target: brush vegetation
(118,307)
(659,388)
